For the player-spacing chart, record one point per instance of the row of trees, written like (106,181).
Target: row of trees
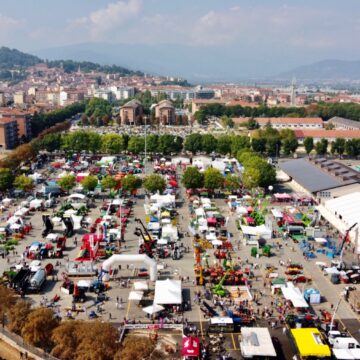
(339,147)
(67,340)
(323,110)
(42,121)
(112,143)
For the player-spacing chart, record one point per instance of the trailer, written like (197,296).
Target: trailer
(20,280)
(37,280)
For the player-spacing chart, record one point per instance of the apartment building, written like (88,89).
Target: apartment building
(22,118)
(9,137)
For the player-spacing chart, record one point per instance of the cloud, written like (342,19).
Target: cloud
(102,21)
(7,22)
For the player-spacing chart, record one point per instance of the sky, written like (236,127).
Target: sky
(271,33)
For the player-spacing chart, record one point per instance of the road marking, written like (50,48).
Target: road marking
(233,341)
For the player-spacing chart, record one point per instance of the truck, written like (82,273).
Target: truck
(354,300)
(50,188)
(37,280)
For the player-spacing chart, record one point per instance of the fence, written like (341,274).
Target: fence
(18,343)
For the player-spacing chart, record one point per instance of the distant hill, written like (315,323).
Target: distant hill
(12,59)
(326,70)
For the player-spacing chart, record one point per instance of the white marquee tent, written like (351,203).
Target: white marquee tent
(168,292)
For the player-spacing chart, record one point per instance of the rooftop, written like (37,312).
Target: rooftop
(319,174)
(320,133)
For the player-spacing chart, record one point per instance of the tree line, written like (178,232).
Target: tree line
(67,339)
(323,110)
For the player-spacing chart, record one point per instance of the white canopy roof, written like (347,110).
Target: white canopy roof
(77,196)
(168,292)
(141,285)
(261,231)
(277,213)
(347,206)
(152,309)
(256,342)
(136,295)
(294,294)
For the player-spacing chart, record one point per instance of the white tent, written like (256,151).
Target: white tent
(170,231)
(294,295)
(153,309)
(259,231)
(168,292)
(216,242)
(136,295)
(76,196)
(36,203)
(256,342)
(14,219)
(277,213)
(22,212)
(141,285)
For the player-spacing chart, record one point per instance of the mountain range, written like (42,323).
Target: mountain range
(186,61)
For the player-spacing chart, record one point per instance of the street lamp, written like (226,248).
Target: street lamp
(145,118)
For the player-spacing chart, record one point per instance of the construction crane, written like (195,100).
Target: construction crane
(345,240)
(145,229)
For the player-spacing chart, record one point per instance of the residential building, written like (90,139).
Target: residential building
(165,112)
(121,93)
(19,98)
(8,134)
(131,113)
(285,122)
(22,118)
(344,124)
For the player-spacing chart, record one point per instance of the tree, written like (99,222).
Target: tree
(135,349)
(98,108)
(208,143)
(84,120)
(321,147)
(192,178)
(154,183)
(224,144)
(193,143)
(338,146)
(65,340)
(67,182)
(130,183)
(112,144)
(6,179)
(136,145)
(108,182)
(252,124)
(167,144)
(152,143)
(290,145)
(258,145)
(232,182)
(273,145)
(38,328)
(18,315)
(227,122)
(100,333)
(251,177)
(24,183)
(239,142)
(7,300)
(352,147)
(308,144)
(213,179)
(89,183)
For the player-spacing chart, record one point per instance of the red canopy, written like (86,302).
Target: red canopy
(211,220)
(190,346)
